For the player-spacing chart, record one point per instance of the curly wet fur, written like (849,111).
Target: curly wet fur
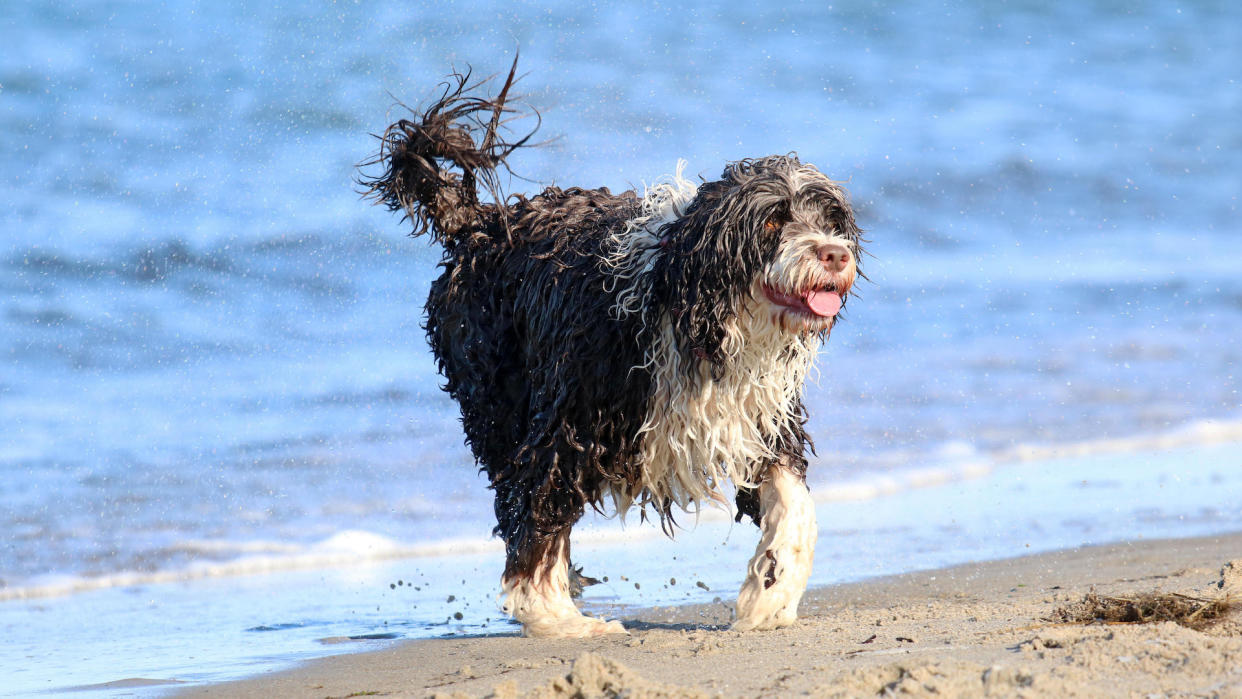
(606,347)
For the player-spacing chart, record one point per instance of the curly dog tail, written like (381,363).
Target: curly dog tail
(434,165)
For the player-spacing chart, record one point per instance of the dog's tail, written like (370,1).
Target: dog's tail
(434,165)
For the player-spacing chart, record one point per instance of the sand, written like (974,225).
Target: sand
(975,630)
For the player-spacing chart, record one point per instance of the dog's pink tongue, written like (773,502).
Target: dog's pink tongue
(824,303)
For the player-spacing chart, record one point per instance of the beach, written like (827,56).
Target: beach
(984,629)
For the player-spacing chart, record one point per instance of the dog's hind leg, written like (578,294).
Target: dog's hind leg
(777,575)
(536,589)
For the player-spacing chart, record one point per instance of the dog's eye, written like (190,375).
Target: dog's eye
(771,225)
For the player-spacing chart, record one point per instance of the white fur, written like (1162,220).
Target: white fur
(544,607)
(634,248)
(698,437)
(778,573)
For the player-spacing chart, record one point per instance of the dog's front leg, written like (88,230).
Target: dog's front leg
(536,590)
(777,575)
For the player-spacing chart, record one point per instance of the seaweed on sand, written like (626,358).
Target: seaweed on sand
(1196,613)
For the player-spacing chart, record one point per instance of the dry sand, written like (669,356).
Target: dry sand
(974,630)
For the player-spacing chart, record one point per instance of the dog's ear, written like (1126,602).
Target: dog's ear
(711,258)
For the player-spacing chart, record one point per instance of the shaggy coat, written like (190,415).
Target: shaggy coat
(645,351)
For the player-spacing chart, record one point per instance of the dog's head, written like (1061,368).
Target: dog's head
(815,264)
(773,236)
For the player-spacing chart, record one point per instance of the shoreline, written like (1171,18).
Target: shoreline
(970,629)
(219,628)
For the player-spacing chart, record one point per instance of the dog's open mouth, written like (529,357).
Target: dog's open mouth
(822,303)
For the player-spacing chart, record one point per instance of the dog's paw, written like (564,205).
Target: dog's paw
(762,620)
(578,626)
(770,594)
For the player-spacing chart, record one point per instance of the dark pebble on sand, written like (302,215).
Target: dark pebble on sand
(452,598)
(703,585)
(457,616)
(672,581)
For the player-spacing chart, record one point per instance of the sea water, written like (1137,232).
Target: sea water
(214,371)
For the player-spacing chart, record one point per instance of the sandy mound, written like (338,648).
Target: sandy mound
(595,677)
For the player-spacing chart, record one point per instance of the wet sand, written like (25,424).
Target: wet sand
(983,629)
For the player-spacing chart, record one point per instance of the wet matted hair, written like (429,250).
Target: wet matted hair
(621,351)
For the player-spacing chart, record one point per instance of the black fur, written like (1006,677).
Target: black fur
(547,378)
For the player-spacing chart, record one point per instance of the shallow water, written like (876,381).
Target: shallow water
(359,592)
(213,347)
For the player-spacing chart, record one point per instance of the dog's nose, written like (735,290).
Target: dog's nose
(834,257)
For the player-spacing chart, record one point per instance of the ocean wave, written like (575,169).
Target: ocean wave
(158,260)
(347,548)
(1196,433)
(958,462)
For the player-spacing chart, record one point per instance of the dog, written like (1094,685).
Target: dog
(645,351)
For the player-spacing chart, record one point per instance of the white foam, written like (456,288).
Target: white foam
(962,462)
(344,549)
(893,483)
(1201,432)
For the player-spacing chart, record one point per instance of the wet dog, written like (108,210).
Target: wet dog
(644,351)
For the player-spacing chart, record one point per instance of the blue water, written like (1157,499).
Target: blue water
(212,346)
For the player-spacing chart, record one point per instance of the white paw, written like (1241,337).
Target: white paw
(759,619)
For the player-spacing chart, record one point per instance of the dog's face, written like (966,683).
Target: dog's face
(772,236)
(816,261)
